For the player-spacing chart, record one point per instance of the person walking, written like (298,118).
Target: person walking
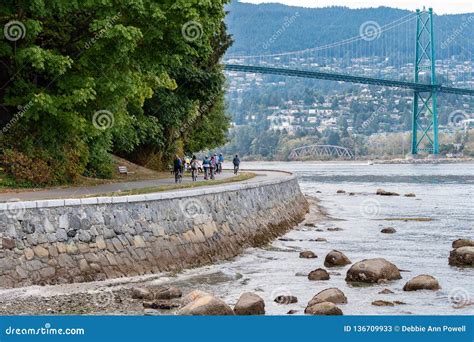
(206,165)
(236,162)
(221,163)
(213,165)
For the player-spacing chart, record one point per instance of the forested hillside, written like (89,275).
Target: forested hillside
(81,80)
(254,25)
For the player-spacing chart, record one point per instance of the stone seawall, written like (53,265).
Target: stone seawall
(77,240)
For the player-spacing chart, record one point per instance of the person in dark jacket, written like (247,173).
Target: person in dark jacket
(236,162)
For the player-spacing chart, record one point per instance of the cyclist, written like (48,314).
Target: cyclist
(236,162)
(194,164)
(177,169)
(206,165)
(221,162)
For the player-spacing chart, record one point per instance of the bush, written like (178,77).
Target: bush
(24,169)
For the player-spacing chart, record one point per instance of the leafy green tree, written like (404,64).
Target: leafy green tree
(96,77)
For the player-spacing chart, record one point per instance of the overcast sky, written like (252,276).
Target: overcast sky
(439,6)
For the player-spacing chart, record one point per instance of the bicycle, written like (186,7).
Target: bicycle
(194,173)
(178,177)
(236,169)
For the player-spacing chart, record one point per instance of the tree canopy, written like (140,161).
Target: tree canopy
(84,79)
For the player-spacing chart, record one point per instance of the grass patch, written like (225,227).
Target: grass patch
(137,173)
(168,187)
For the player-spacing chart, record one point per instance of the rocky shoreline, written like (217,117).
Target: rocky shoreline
(162,294)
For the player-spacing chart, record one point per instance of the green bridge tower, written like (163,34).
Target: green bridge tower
(425,107)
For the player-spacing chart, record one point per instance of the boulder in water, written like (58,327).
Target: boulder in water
(388,230)
(192,296)
(249,304)
(323,309)
(382,192)
(386,291)
(318,274)
(333,295)
(462,256)
(308,255)
(286,299)
(382,303)
(373,271)
(422,282)
(206,306)
(335,258)
(462,243)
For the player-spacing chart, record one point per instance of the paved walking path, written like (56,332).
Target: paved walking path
(75,192)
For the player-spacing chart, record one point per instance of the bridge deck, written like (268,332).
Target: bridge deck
(348,78)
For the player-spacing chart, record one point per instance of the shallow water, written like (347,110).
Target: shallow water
(444,193)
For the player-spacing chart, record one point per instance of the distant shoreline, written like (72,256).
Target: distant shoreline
(373,161)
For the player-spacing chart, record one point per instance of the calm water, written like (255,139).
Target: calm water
(444,193)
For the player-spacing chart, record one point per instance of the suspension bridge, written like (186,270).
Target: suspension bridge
(369,59)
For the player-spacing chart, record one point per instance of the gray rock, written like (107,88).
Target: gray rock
(206,306)
(141,293)
(84,236)
(462,256)
(28,227)
(463,243)
(335,259)
(382,303)
(323,309)
(249,304)
(372,271)
(61,235)
(308,255)
(318,274)
(286,299)
(333,295)
(422,282)
(388,230)
(167,292)
(382,192)
(192,296)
